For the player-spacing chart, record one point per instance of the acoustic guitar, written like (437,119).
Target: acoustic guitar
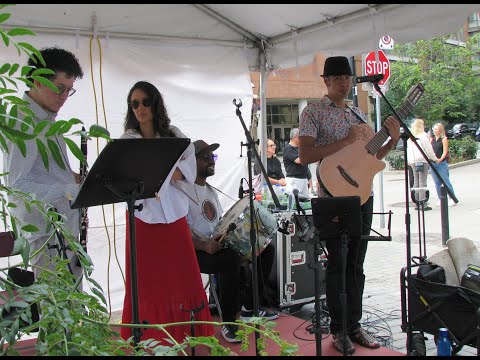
(350,171)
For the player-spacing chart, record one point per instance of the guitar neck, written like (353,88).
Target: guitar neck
(380,137)
(377,141)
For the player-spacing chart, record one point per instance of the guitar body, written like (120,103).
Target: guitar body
(350,171)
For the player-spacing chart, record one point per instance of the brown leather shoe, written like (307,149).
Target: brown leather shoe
(339,339)
(363,338)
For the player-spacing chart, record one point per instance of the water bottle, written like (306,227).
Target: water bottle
(266,196)
(444,345)
(283,197)
(278,190)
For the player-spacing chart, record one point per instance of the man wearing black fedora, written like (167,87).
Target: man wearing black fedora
(327,127)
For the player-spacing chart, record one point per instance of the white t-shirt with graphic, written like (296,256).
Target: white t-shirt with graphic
(204,210)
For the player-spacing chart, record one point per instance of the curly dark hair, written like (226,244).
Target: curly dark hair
(161,121)
(58,60)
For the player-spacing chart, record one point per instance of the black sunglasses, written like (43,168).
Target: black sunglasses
(213,157)
(145,102)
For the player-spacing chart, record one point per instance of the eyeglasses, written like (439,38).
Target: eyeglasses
(62,89)
(213,157)
(272,145)
(145,102)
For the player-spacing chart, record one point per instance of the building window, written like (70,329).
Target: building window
(281,118)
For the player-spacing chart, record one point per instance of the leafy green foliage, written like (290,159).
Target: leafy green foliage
(458,151)
(448,73)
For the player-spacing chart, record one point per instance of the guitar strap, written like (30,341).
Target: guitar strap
(355,113)
(320,184)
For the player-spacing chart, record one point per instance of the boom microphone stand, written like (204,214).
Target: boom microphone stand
(405,136)
(253,240)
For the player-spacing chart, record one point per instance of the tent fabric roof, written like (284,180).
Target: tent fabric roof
(289,33)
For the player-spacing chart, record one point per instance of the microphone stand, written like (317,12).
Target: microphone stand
(253,240)
(405,136)
(317,330)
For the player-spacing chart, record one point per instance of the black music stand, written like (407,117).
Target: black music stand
(129,170)
(337,218)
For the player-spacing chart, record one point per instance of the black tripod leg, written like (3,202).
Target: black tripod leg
(343,296)
(316,267)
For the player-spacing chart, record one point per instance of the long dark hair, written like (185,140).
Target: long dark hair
(161,121)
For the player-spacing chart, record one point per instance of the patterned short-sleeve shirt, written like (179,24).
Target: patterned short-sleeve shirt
(327,123)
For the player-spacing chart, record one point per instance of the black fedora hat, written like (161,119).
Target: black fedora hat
(336,65)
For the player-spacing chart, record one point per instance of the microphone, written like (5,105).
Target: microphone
(240,189)
(371,78)
(283,226)
(290,202)
(297,202)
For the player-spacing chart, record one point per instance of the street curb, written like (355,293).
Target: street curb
(451,166)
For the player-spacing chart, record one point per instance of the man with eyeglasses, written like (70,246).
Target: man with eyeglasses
(28,173)
(325,128)
(205,212)
(274,166)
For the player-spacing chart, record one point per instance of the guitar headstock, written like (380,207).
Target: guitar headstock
(413,96)
(415,93)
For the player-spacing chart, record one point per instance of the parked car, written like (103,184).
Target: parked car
(477,134)
(460,131)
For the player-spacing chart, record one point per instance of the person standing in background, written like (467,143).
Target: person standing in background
(416,160)
(440,147)
(169,278)
(298,175)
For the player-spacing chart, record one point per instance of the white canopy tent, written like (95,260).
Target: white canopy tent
(199,56)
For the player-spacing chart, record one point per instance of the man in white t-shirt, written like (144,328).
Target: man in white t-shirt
(205,212)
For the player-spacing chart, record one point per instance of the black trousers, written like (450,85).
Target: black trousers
(355,278)
(226,264)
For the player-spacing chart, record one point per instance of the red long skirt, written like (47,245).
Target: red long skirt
(168,278)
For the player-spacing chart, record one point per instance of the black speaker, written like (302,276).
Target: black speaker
(292,280)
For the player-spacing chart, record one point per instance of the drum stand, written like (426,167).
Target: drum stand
(253,240)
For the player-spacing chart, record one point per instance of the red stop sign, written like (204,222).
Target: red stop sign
(372,67)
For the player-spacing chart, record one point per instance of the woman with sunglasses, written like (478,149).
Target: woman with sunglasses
(169,278)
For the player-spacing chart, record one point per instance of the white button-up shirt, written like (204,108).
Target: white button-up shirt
(53,185)
(172,203)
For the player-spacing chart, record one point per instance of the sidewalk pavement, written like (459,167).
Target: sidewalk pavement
(384,261)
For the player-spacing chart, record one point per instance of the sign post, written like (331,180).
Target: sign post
(376,62)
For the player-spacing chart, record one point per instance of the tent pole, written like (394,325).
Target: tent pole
(263,109)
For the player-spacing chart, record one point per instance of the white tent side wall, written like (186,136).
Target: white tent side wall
(198,84)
